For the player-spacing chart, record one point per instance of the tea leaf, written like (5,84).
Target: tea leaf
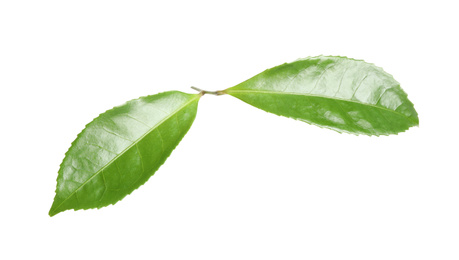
(119,150)
(338,93)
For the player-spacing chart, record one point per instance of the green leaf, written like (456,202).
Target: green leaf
(338,93)
(119,150)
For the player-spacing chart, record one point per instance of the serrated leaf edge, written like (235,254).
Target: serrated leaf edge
(54,212)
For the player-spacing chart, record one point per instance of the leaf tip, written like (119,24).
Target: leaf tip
(52,211)
(55,208)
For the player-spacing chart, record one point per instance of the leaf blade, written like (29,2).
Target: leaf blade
(121,149)
(338,93)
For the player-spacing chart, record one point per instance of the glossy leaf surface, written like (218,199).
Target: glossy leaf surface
(338,93)
(121,149)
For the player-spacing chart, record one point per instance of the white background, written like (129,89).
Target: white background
(243,184)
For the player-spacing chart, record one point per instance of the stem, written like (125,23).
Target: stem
(203,92)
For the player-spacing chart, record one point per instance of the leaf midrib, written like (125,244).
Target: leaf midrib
(229,91)
(126,149)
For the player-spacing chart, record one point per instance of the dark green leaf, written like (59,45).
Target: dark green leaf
(339,93)
(119,150)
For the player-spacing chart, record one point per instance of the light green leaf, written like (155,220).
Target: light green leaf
(338,93)
(119,150)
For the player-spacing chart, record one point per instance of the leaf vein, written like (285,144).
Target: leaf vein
(101,148)
(320,96)
(340,82)
(357,88)
(105,185)
(128,115)
(140,156)
(115,134)
(162,140)
(323,73)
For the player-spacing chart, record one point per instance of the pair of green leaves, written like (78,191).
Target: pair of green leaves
(123,147)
